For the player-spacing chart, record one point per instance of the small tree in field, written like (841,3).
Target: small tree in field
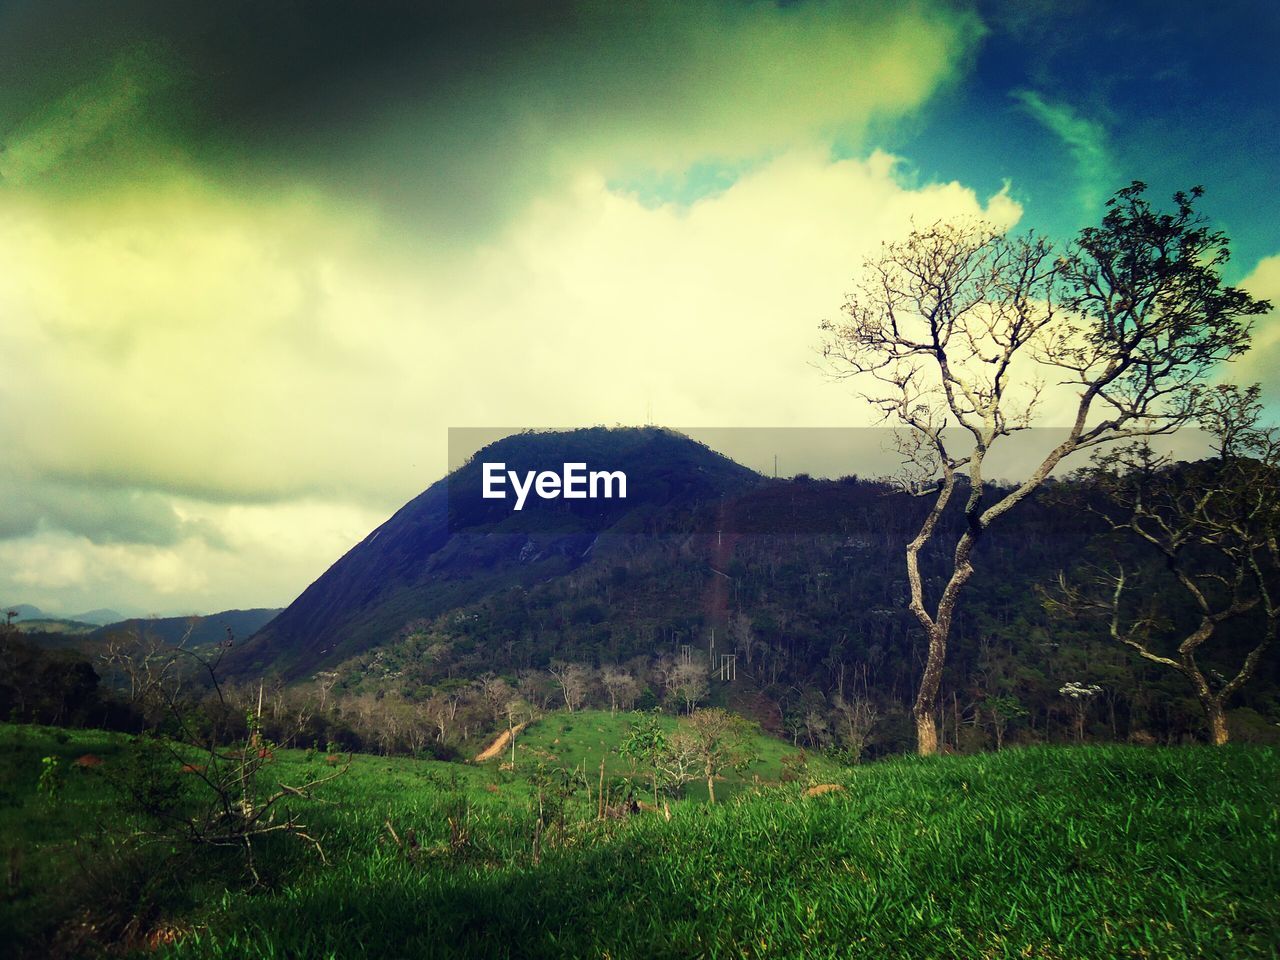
(646,742)
(954,332)
(720,740)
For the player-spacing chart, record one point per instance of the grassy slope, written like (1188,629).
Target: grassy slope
(1049,852)
(578,741)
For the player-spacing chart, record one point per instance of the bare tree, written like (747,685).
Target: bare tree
(689,682)
(574,680)
(325,680)
(239,799)
(442,710)
(953,332)
(744,637)
(1214,527)
(518,712)
(497,694)
(621,687)
(676,763)
(855,717)
(418,727)
(155,670)
(538,687)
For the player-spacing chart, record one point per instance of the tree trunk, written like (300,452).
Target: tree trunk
(937,628)
(927,695)
(711,789)
(1217,717)
(926,734)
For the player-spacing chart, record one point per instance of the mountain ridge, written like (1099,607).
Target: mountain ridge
(449,544)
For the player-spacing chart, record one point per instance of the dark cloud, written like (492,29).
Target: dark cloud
(449,113)
(102,515)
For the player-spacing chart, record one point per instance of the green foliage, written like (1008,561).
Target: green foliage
(1094,852)
(50,783)
(645,740)
(147,779)
(795,767)
(1005,707)
(644,745)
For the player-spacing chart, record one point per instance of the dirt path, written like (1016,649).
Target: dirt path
(495,748)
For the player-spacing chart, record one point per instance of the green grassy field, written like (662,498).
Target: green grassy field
(1102,852)
(582,739)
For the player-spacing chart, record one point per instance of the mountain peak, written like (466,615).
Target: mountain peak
(452,543)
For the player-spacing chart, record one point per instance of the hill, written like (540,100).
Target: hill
(801,580)
(1090,852)
(92,618)
(26,611)
(69,628)
(197,630)
(450,546)
(580,740)
(99,617)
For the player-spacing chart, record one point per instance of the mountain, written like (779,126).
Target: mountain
(450,545)
(54,626)
(197,630)
(96,618)
(99,617)
(26,611)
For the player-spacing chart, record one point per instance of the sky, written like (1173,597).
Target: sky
(259,258)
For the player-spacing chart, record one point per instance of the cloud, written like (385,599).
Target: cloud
(260,258)
(248,353)
(102,515)
(1085,139)
(264,348)
(450,117)
(233,556)
(92,117)
(1261,363)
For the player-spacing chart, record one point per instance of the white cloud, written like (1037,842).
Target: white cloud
(1261,363)
(260,556)
(1085,139)
(271,350)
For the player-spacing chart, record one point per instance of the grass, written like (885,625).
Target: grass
(580,740)
(1052,852)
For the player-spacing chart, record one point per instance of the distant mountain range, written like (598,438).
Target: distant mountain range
(98,618)
(196,631)
(82,633)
